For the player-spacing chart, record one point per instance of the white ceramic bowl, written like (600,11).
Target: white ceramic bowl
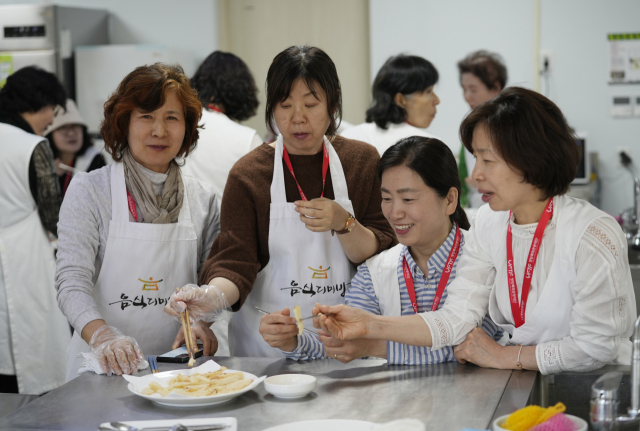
(290,385)
(582,424)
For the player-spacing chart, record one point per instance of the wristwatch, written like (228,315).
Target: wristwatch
(348,227)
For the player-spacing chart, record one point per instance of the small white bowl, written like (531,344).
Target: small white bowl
(582,424)
(290,385)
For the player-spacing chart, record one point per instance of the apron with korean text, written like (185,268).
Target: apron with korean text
(304,267)
(143,264)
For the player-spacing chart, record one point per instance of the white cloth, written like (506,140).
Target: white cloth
(221,144)
(90,363)
(143,265)
(381,138)
(383,269)
(581,297)
(33,332)
(304,267)
(83,161)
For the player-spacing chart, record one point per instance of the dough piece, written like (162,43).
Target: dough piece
(300,323)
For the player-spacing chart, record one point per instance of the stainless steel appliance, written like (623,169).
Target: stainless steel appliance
(45,35)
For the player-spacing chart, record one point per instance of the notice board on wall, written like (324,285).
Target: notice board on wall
(624,58)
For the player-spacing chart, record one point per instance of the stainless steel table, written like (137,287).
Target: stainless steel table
(446,396)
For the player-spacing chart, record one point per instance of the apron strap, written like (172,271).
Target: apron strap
(119,203)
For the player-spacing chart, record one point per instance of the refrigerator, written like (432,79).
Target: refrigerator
(101,68)
(45,36)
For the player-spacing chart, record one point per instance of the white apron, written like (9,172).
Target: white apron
(83,162)
(383,269)
(38,333)
(304,267)
(545,322)
(143,264)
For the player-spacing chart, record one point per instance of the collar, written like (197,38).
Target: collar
(438,260)
(15,119)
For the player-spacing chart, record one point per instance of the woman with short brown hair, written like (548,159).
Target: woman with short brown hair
(283,203)
(130,233)
(550,269)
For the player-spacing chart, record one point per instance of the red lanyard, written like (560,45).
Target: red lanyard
(518,309)
(325,166)
(67,180)
(132,206)
(446,273)
(214,108)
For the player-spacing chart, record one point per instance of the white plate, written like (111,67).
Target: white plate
(232,422)
(325,424)
(137,384)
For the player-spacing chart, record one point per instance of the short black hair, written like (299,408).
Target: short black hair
(316,68)
(487,66)
(87,141)
(30,89)
(224,79)
(404,74)
(531,134)
(434,162)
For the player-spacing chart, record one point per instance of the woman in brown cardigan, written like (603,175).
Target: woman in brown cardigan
(282,205)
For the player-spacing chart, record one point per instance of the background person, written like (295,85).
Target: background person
(33,332)
(420,199)
(404,103)
(228,95)
(72,145)
(131,232)
(575,308)
(283,202)
(483,76)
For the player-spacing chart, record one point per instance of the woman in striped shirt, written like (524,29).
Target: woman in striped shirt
(420,199)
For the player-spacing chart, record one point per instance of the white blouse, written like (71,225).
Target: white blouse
(603,310)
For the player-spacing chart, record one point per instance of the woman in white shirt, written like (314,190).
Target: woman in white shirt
(550,269)
(404,103)
(228,95)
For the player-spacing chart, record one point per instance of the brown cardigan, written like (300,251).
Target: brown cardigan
(242,248)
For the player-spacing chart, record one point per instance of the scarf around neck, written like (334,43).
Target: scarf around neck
(157,209)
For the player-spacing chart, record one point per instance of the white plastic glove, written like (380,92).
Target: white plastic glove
(116,350)
(206,303)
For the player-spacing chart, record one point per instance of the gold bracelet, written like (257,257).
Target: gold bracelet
(518,363)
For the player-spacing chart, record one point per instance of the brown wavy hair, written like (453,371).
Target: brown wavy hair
(145,88)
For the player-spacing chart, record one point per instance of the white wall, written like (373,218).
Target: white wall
(576,30)
(189,26)
(444,31)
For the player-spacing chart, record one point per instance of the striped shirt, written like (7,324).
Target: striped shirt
(362,295)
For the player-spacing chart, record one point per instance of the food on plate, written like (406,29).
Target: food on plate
(536,418)
(299,322)
(201,385)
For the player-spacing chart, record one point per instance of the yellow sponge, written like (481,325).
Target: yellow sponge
(530,416)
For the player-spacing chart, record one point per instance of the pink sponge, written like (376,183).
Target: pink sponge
(559,422)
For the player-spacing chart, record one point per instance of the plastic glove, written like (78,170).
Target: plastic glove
(116,350)
(206,303)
